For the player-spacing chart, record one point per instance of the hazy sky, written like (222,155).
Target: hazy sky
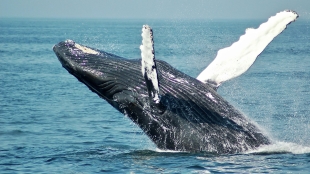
(167,9)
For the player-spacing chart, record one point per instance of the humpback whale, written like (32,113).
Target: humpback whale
(176,111)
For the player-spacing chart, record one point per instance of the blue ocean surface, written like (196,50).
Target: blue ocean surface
(52,123)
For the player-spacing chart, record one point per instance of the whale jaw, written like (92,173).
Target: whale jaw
(96,73)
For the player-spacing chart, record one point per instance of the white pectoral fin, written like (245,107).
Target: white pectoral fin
(233,61)
(149,70)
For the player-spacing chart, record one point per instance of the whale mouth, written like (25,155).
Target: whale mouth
(91,67)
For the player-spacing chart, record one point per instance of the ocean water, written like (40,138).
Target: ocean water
(52,123)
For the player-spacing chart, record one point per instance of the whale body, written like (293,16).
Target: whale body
(192,116)
(176,111)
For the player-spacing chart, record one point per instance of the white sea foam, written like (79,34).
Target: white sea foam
(275,148)
(168,151)
(233,61)
(282,147)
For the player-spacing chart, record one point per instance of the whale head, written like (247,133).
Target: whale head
(102,72)
(117,80)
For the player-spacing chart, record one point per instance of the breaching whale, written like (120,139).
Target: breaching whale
(176,111)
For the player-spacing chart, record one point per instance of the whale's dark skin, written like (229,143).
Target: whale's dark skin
(190,117)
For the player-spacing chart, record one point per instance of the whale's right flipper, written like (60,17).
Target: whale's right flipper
(149,69)
(233,61)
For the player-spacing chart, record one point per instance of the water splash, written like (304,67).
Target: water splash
(281,147)
(167,151)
